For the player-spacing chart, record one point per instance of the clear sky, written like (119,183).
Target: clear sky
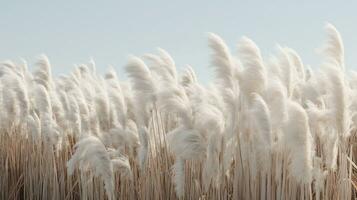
(71,32)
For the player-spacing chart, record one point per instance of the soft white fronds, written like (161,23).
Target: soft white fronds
(253,77)
(169,63)
(298,141)
(261,126)
(140,76)
(186,143)
(339,100)
(91,154)
(121,164)
(297,63)
(188,77)
(331,150)
(221,61)
(43,73)
(144,146)
(334,48)
(275,97)
(164,66)
(34,127)
(74,116)
(174,99)
(42,99)
(208,118)
(288,71)
(144,87)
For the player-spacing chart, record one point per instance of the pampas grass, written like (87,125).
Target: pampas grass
(265,128)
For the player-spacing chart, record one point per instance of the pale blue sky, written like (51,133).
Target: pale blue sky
(70,32)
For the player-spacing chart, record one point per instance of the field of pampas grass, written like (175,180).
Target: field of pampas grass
(262,129)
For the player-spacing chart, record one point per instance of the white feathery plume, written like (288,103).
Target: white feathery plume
(111,74)
(320,120)
(132,129)
(94,124)
(74,116)
(276,98)
(188,77)
(215,98)
(174,99)
(42,99)
(34,126)
(261,126)
(57,109)
(334,48)
(209,122)
(186,143)
(10,67)
(83,108)
(85,72)
(17,86)
(231,99)
(129,100)
(288,71)
(75,78)
(221,61)
(103,109)
(144,146)
(91,154)
(43,73)
(296,62)
(67,83)
(119,137)
(145,95)
(253,77)
(120,163)
(298,141)
(208,119)
(23,99)
(116,96)
(144,87)
(140,76)
(89,88)
(331,142)
(9,106)
(49,129)
(310,91)
(76,74)
(63,98)
(273,68)
(318,117)
(339,100)
(163,65)
(169,62)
